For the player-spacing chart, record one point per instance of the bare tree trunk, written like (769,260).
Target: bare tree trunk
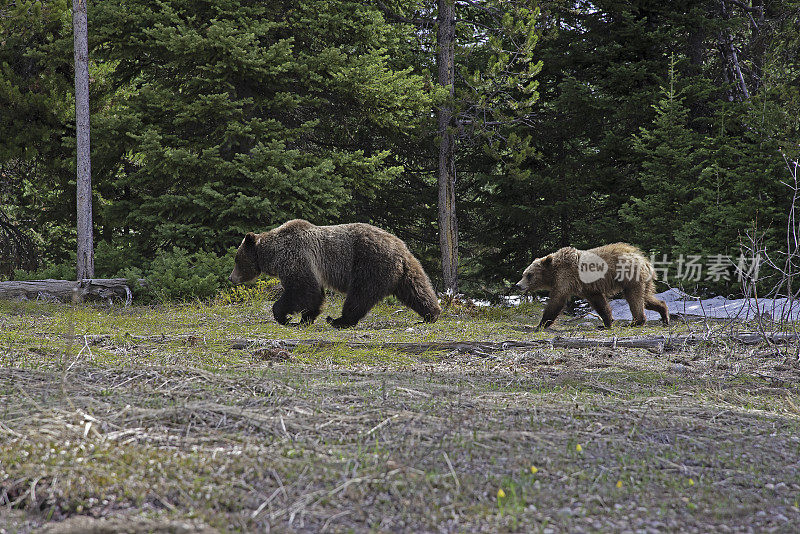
(84,168)
(727,41)
(448,226)
(737,68)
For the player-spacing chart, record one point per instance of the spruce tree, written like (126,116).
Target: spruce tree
(672,162)
(239,115)
(37,118)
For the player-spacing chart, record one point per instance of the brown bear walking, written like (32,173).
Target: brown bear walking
(595,275)
(358,259)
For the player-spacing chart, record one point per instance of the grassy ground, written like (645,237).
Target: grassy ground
(171,423)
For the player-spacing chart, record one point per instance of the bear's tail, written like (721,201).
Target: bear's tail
(414,289)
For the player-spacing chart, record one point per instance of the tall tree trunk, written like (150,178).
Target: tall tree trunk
(84,168)
(448,227)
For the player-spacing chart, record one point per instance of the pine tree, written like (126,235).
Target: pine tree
(497,103)
(492,99)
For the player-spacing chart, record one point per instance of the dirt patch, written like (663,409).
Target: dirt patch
(124,525)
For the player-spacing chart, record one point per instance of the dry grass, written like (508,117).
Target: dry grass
(188,433)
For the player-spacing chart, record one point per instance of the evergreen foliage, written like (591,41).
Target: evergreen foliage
(664,124)
(240,115)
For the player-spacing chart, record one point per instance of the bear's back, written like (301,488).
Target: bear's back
(336,250)
(613,251)
(627,265)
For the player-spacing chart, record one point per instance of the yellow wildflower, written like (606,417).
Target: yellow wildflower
(501,494)
(534,469)
(619,483)
(578,447)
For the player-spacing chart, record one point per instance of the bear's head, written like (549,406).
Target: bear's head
(246,263)
(538,275)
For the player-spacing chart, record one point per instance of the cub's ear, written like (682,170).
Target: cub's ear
(249,240)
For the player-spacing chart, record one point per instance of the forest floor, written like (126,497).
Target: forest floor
(191,418)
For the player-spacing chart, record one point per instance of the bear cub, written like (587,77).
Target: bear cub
(360,260)
(595,275)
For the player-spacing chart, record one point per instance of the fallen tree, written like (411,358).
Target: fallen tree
(106,289)
(657,343)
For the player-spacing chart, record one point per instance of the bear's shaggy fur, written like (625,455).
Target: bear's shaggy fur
(566,272)
(360,260)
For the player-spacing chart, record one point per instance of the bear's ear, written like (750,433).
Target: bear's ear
(548,261)
(249,240)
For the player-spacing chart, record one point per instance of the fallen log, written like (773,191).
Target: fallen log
(106,289)
(657,343)
(661,343)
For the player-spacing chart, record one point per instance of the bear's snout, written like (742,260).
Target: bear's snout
(521,285)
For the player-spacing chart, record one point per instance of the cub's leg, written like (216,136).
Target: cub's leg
(652,303)
(600,304)
(553,309)
(635,298)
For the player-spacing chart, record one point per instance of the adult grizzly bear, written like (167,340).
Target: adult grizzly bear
(358,259)
(595,274)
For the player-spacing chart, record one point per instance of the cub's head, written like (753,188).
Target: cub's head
(538,275)
(246,263)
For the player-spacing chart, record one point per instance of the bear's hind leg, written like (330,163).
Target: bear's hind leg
(358,302)
(653,304)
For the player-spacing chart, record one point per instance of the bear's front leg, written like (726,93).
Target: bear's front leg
(280,310)
(300,294)
(553,309)
(313,306)
(340,322)
(600,304)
